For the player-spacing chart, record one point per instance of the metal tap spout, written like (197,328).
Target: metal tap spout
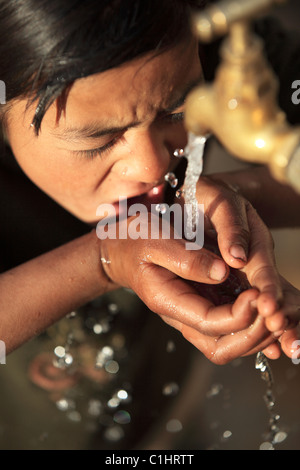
(240,108)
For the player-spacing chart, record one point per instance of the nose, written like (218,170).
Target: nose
(147,156)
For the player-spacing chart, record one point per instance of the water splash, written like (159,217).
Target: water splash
(161,208)
(171,179)
(262,364)
(274,435)
(193,152)
(179,153)
(179,193)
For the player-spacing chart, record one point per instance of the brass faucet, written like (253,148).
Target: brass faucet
(240,108)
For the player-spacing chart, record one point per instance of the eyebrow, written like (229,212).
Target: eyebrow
(95,130)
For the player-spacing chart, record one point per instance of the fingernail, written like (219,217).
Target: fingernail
(218,270)
(238,252)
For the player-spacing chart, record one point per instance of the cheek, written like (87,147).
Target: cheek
(54,171)
(49,168)
(38,163)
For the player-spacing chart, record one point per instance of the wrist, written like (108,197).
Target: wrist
(101,261)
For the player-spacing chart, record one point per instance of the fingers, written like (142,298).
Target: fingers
(223,350)
(273,351)
(290,344)
(261,267)
(199,265)
(126,256)
(172,297)
(289,313)
(267,280)
(230,318)
(227,348)
(277,323)
(227,214)
(245,243)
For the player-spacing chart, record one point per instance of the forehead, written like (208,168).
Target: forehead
(135,90)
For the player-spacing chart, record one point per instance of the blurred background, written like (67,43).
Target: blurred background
(150,389)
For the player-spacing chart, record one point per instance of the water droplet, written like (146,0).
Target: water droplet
(178,153)
(102,327)
(112,367)
(266,446)
(179,193)
(214,390)
(113,402)
(65,404)
(233,104)
(62,359)
(68,359)
(114,433)
(122,417)
(113,308)
(171,179)
(103,356)
(161,208)
(170,389)
(274,418)
(94,407)
(71,315)
(227,434)
(97,328)
(269,399)
(174,425)
(59,351)
(280,437)
(122,395)
(171,346)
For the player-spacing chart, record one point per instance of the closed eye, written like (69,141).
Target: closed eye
(98,152)
(173,118)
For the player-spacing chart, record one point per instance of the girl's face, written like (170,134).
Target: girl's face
(116,135)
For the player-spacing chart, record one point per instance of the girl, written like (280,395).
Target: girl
(94,111)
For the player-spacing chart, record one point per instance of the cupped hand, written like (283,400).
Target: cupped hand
(160,270)
(244,241)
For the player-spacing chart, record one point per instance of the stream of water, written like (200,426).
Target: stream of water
(194,153)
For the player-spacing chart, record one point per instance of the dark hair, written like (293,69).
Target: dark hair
(45,45)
